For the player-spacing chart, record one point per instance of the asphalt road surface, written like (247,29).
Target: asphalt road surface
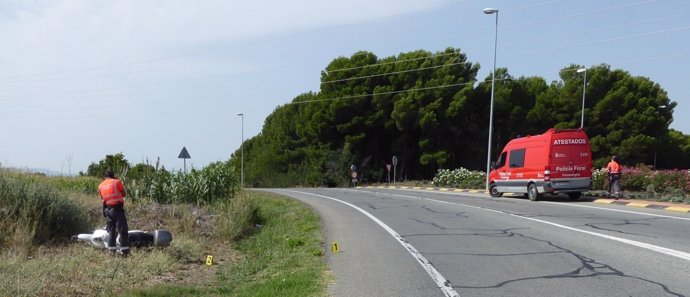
(419,243)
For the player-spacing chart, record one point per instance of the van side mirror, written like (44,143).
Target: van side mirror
(493,164)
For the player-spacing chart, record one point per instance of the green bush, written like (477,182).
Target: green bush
(642,179)
(33,211)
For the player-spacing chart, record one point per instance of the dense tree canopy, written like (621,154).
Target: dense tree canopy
(116,162)
(430,111)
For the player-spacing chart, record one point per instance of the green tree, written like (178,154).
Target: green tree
(139,171)
(115,162)
(429,111)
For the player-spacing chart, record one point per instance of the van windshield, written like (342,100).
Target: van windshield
(501,160)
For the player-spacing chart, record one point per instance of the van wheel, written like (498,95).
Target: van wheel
(532,192)
(494,192)
(574,195)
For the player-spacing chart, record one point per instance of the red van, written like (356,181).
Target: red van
(558,161)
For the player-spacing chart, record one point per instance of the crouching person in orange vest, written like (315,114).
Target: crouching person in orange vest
(113,195)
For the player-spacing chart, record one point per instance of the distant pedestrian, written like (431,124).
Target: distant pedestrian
(113,194)
(614,176)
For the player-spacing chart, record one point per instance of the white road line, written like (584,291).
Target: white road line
(619,210)
(659,249)
(436,276)
(556,203)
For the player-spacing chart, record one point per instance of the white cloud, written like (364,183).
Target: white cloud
(56,35)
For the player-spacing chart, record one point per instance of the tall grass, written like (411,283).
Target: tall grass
(39,214)
(284,256)
(34,212)
(77,269)
(215,182)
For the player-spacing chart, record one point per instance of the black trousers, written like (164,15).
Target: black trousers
(116,223)
(614,183)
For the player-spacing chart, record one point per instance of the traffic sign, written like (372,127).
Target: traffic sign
(395,161)
(184,154)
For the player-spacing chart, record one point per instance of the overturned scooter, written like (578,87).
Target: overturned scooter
(137,238)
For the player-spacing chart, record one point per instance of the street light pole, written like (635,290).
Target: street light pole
(242,152)
(656,139)
(584,90)
(491,108)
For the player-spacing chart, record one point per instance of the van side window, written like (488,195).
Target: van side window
(501,160)
(517,158)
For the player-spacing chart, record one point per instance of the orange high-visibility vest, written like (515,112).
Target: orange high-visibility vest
(111,192)
(613,167)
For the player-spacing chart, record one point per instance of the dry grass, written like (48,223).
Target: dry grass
(78,269)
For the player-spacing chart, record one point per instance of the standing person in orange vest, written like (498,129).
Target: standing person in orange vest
(113,195)
(614,172)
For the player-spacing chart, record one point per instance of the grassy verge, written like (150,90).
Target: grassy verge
(282,257)
(279,256)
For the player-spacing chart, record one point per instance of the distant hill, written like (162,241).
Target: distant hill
(40,170)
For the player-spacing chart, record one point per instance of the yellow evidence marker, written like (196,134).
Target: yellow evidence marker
(209,260)
(335,248)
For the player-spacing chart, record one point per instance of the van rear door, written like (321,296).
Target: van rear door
(570,161)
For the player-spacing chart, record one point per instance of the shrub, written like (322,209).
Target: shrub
(643,179)
(459,178)
(33,211)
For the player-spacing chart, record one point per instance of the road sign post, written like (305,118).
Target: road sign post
(353,174)
(395,164)
(388,168)
(184,155)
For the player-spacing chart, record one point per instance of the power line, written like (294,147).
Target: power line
(221,49)
(651,58)
(506,28)
(391,73)
(512,27)
(600,41)
(595,30)
(399,61)
(485,81)
(330,99)
(393,62)
(394,92)
(191,54)
(513,55)
(132,86)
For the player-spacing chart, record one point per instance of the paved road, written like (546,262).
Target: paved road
(416,243)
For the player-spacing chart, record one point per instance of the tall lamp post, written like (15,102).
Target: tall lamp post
(491,108)
(242,153)
(584,89)
(656,139)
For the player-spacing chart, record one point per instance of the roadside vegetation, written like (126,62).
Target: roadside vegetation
(370,108)
(639,182)
(261,245)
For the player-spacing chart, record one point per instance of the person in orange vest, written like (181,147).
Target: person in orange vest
(614,173)
(113,194)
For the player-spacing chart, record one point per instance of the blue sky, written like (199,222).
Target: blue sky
(82,79)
